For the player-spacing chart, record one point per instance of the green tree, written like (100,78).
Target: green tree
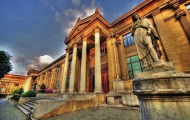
(5,65)
(43,87)
(17,94)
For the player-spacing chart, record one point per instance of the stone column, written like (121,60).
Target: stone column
(28,84)
(98,77)
(83,66)
(124,73)
(61,74)
(52,78)
(111,67)
(181,16)
(168,40)
(73,69)
(65,72)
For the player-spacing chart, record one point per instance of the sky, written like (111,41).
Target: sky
(33,31)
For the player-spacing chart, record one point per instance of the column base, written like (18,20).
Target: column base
(82,91)
(98,91)
(63,92)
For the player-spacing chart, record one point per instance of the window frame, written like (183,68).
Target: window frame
(132,68)
(128,38)
(187,6)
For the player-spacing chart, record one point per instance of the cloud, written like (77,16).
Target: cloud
(39,63)
(76,14)
(46,59)
(68,17)
(18,60)
(76,2)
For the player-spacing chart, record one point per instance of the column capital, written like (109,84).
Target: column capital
(174,4)
(179,13)
(108,38)
(155,12)
(97,29)
(67,50)
(84,38)
(75,45)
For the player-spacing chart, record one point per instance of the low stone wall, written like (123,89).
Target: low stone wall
(42,107)
(49,108)
(46,95)
(38,96)
(26,99)
(128,98)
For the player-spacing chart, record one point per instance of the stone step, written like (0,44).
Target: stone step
(23,109)
(32,103)
(29,105)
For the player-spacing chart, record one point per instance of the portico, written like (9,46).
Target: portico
(81,57)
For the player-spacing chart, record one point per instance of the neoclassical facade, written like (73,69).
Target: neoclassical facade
(101,57)
(11,82)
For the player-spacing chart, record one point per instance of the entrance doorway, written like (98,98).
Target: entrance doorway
(105,80)
(105,85)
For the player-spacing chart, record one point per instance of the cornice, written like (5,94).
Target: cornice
(93,18)
(138,7)
(54,62)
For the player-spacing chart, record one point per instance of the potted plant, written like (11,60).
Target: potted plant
(43,87)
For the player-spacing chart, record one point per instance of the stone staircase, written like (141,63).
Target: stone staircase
(47,107)
(27,107)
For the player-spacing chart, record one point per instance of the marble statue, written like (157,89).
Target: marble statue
(144,36)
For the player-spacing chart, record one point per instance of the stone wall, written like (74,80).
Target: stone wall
(49,108)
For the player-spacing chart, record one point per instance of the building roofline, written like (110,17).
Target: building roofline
(63,56)
(135,9)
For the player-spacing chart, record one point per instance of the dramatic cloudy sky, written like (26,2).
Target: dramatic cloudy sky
(33,31)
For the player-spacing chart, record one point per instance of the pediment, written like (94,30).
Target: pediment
(85,23)
(79,27)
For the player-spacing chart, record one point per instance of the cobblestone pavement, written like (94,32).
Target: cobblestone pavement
(101,113)
(9,112)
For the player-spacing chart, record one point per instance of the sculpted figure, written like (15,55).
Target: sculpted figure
(144,37)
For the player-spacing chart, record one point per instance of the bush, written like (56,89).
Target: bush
(17,94)
(30,93)
(43,87)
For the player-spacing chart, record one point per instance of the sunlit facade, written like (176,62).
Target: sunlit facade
(101,57)
(11,82)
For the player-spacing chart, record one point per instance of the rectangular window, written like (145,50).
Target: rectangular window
(128,40)
(68,81)
(59,69)
(57,83)
(188,7)
(103,49)
(134,66)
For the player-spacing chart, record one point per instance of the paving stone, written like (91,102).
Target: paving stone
(101,113)
(9,112)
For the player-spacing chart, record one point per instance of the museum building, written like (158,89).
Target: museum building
(101,57)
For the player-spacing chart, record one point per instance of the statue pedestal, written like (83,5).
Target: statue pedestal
(163,94)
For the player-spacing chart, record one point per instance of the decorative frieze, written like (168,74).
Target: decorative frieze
(179,13)
(155,12)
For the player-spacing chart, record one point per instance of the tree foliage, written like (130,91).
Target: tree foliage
(43,87)
(17,94)
(30,93)
(5,65)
